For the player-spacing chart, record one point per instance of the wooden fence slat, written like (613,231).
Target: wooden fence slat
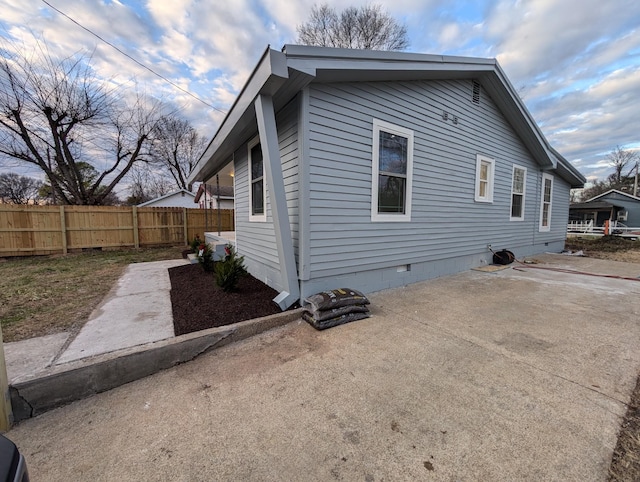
(136,231)
(63,230)
(38,230)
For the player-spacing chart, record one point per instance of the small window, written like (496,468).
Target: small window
(545,204)
(518,185)
(484,179)
(257,194)
(392,172)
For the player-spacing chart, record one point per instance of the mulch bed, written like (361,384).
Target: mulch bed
(198,303)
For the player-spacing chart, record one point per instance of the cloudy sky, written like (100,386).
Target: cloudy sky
(576,63)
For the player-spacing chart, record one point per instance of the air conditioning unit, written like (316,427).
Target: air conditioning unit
(622,215)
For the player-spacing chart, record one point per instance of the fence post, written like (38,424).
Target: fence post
(136,235)
(6,413)
(63,228)
(186,226)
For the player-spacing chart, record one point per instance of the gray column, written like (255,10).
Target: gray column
(275,181)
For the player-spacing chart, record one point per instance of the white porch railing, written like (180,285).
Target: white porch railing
(616,228)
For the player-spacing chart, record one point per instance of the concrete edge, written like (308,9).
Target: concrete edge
(62,384)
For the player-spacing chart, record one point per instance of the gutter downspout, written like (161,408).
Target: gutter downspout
(266,118)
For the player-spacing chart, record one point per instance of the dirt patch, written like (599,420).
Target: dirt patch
(625,465)
(198,303)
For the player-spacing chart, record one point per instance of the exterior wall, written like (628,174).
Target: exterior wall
(177,200)
(256,240)
(628,204)
(448,231)
(389,277)
(213,204)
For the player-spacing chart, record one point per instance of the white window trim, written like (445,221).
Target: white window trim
(260,218)
(492,163)
(524,192)
(378,126)
(548,227)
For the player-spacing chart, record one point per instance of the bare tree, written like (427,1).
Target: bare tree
(621,160)
(146,184)
(366,27)
(177,148)
(55,114)
(17,189)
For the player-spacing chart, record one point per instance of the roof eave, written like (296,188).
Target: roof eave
(267,77)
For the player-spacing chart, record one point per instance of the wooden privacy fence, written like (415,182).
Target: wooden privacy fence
(35,230)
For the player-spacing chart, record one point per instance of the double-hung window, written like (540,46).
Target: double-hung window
(257,192)
(545,202)
(484,179)
(518,185)
(392,172)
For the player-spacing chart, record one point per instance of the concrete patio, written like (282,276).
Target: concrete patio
(520,374)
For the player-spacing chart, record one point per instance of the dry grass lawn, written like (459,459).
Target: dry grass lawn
(43,295)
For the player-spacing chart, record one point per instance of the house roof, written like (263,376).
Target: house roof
(282,74)
(226,192)
(160,198)
(592,206)
(614,191)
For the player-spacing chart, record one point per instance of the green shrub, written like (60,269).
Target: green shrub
(205,256)
(230,269)
(195,243)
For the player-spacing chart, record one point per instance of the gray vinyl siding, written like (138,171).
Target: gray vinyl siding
(446,223)
(256,240)
(628,204)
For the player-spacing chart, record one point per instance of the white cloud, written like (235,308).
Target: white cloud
(573,61)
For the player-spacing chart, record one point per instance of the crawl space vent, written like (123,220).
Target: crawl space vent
(476,92)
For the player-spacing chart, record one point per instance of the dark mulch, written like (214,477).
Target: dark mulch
(198,303)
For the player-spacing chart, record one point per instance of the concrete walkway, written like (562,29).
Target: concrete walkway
(137,311)
(520,374)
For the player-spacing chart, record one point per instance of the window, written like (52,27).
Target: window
(484,179)
(545,204)
(392,172)
(257,194)
(518,183)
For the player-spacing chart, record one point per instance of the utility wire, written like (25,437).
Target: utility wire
(131,58)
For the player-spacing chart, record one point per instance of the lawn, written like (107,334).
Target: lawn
(50,294)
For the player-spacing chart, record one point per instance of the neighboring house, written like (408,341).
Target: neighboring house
(612,205)
(370,170)
(207,197)
(177,199)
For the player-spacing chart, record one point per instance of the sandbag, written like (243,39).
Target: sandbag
(337,298)
(335,312)
(331,322)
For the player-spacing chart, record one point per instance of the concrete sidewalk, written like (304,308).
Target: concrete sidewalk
(521,374)
(137,311)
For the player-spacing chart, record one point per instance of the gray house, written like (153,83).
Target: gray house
(612,205)
(373,169)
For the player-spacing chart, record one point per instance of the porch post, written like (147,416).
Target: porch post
(266,117)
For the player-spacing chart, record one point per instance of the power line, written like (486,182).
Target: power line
(132,58)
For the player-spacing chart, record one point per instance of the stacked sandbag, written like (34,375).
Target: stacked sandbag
(335,307)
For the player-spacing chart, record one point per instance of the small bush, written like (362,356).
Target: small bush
(195,243)
(230,269)
(205,256)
